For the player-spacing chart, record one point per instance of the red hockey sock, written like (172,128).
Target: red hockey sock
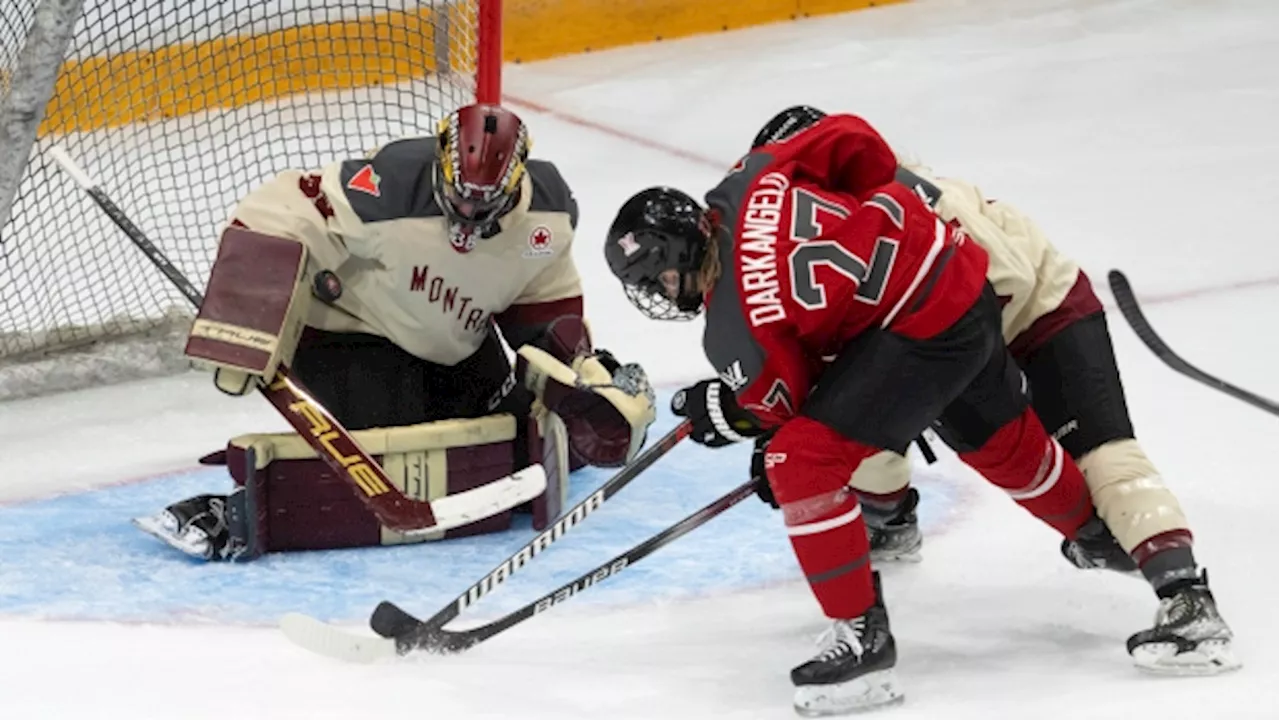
(809,466)
(1036,472)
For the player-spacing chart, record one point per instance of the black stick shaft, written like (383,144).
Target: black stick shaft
(1132,312)
(122,221)
(389,620)
(436,639)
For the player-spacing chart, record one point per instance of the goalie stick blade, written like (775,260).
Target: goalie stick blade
(1132,312)
(324,639)
(454,511)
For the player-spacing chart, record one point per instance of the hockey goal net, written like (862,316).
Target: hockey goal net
(178,108)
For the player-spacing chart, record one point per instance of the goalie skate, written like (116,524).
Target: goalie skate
(196,526)
(1189,637)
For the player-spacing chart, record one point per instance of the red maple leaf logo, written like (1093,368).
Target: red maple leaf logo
(366,181)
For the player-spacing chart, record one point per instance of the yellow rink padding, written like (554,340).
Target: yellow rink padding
(540,29)
(148,85)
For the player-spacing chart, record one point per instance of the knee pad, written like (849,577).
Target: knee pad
(293,501)
(1130,495)
(884,473)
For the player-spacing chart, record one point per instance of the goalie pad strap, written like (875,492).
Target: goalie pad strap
(254,307)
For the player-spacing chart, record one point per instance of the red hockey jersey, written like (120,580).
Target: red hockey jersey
(817,244)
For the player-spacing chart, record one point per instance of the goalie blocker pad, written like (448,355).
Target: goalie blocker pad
(293,501)
(253,310)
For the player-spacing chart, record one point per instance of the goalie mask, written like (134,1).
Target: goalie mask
(655,247)
(479,165)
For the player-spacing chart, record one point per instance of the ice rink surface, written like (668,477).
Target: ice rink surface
(1141,134)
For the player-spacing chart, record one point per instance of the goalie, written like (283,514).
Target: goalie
(385,284)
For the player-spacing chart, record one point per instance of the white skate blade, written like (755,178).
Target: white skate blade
(869,692)
(161,526)
(454,511)
(1211,657)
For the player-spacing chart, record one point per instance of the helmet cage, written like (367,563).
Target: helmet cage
(651,300)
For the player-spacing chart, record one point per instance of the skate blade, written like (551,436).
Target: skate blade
(870,692)
(194,544)
(1211,657)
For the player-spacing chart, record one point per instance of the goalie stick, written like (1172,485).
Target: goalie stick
(423,637)
(1133,314)
(322,431)
(401,632)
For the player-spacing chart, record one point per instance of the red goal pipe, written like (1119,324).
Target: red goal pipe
(489,52)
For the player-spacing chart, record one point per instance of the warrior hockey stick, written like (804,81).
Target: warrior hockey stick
(332,442)
(317,636)
(402,630)
(1133,313)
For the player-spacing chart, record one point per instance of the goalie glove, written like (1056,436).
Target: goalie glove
(713,411)
(607,407)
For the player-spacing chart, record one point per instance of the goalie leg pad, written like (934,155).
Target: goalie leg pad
(295,502)
(548,445)
(253,310)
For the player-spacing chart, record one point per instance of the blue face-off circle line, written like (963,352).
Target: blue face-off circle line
(77,557)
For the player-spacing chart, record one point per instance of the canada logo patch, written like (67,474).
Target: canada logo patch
(539,242)
(366,181)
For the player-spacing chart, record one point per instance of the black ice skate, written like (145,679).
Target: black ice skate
(1189,637)
(895,534)
(197,526)
(1096,548)
(854,671)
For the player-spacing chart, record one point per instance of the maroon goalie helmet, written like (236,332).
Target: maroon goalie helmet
(479,166)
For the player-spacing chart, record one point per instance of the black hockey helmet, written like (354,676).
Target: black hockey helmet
(787,123)
(659,229)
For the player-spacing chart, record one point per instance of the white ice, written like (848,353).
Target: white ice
(1141,134)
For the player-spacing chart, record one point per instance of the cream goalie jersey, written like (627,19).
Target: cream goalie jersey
(376,224)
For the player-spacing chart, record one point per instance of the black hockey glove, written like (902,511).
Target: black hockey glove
(713,410)
(763,490)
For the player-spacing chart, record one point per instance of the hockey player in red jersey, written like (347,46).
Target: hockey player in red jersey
(843,317)
(1055,329)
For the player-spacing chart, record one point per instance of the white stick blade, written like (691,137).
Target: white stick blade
(324,639)
(485,501)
